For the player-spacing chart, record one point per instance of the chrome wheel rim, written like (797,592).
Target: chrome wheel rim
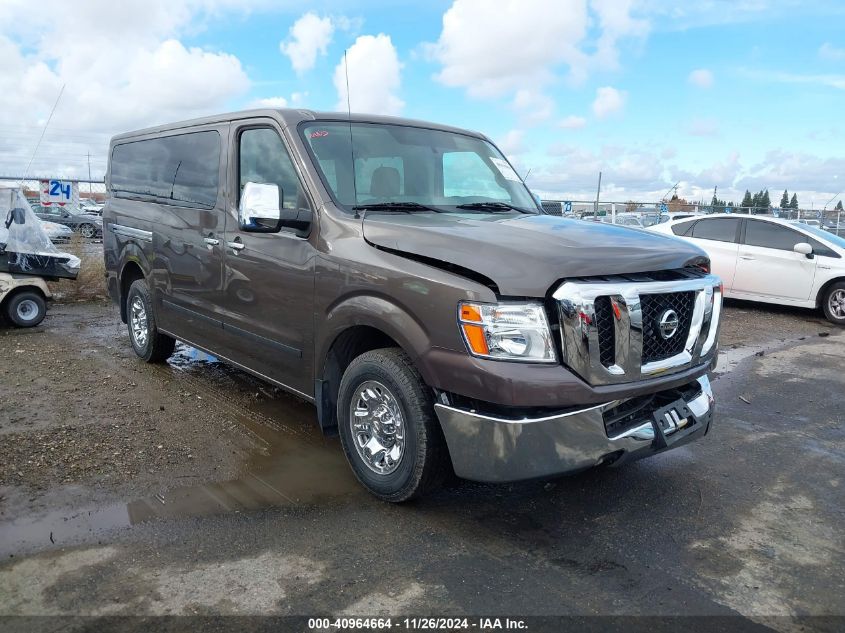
(138,321)
(836,303)
(27,310)
(378,429)
(87,231)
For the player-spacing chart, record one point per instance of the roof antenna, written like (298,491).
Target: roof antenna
(41,138)
(351,146)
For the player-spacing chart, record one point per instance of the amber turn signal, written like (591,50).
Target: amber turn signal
(475,338)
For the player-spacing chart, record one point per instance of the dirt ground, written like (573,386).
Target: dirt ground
(190,487)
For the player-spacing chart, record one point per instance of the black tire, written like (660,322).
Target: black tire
(26,309)
(148,342)
(424,462)
(832,304)
(88,231)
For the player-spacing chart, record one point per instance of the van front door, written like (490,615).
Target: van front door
(268,296)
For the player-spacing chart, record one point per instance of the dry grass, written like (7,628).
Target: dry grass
(90,284)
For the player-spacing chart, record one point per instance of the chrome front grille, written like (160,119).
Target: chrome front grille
(655,346)
(606,331)
(611,329)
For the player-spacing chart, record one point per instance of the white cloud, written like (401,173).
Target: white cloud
(269,102)
(534,107)
(831,53)
(309,36)
(572,122)
(826,80)
(492,50)
(608,101)
(375,76)
(703,127)
(512,143)
(626,172)
(616,22)
(701,78)
(129,70)
(783,169)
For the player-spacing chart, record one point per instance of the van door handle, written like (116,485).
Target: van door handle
(238,246)
(747,257)
(211,241)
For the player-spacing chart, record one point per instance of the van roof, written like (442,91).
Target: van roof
(292,117)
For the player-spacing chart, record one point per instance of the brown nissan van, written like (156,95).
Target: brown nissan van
(399,275)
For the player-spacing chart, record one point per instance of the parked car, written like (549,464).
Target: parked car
(623,220)
(770,260)
(415,293)
(58,233)
(88,225)
(90,206)
(669,217)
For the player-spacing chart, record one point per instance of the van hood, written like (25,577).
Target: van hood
(524,255)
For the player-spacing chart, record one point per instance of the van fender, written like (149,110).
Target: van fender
(377,312)
(132,253)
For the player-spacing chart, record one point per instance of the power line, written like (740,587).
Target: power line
(49,118)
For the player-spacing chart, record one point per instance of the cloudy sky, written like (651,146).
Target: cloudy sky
(730,93)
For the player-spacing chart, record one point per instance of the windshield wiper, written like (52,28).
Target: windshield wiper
(395,206)
(491,206)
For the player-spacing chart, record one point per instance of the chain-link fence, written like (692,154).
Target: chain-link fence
(633,213)
(82,193)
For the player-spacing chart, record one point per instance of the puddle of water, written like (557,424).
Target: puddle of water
(295,465)
(186,356)
(294,471)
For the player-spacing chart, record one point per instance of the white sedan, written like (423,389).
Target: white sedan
(770,260)
(57,232)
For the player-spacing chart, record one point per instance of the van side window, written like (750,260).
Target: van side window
(181,170)
(264,159)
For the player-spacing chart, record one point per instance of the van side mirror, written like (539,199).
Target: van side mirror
(804,249)
(16,215)
(259,210)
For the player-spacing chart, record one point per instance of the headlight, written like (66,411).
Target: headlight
(507,331)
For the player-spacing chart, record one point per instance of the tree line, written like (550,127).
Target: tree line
(761,200)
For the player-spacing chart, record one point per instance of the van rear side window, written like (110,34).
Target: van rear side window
(181,170)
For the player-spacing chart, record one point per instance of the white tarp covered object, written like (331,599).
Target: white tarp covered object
(25,248)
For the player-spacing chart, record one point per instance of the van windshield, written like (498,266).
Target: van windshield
(415,167)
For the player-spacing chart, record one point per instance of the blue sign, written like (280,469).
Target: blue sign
(664,208)
(567,206)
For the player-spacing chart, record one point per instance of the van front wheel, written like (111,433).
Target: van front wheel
(147,341)
(388,428)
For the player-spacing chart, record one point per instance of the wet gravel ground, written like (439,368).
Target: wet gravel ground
(193,488)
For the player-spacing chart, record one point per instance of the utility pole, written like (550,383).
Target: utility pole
(598,193)
(89,174)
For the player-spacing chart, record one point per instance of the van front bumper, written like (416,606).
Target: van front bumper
(496,449)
